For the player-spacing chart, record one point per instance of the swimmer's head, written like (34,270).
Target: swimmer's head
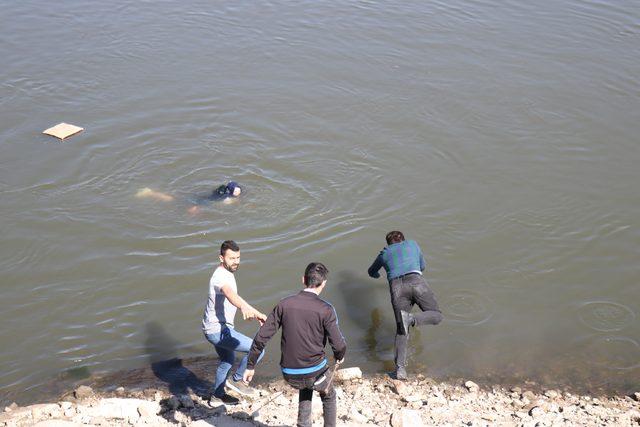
(233,189)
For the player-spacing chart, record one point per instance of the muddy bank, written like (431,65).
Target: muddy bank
(375,400)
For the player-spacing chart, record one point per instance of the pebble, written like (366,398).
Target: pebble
(83,392)
(536,412)
(471,386)
(551,394)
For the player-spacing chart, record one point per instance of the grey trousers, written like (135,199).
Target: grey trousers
(329,405)
(407,291)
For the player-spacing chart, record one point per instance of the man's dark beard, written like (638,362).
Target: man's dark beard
(228,267)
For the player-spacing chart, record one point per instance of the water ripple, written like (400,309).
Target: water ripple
(606,316)
(467,307)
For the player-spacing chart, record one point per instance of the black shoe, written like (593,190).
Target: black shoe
(407,321)
(225,399)
(399,374)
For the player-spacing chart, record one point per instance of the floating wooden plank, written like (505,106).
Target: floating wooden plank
(63,130)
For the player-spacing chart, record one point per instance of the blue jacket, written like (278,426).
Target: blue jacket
(398,259)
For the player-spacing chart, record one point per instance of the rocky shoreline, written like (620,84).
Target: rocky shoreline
(376,400)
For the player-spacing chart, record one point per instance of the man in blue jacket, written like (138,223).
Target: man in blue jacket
(404,263)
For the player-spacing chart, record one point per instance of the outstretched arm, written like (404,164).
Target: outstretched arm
(248,312)
(266,331)
(375,267)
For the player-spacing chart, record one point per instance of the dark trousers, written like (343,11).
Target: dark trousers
(405,292)
(306,387)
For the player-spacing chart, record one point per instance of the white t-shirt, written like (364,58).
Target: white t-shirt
(219,310)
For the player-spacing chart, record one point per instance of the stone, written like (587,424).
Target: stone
(146,410)
(348,374)
(471,386)
(122,409)
(281,400)
(536,412)
(516,390)
(45,410)
(65,405)
(357,417)
(551,394)
(186,401)
(120,392)
(406,418)
(412,398)
(56,423)
(172,403)
(531,396)
(399,387)
(11,407)
(636,396)
(83,392)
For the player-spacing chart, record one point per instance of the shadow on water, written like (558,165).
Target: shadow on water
(368,305)
(364,307)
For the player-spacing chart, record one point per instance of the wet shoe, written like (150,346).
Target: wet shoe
(240,387)
(407,321)
(225,399)
(399,374)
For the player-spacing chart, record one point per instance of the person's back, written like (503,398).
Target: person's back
(307,323)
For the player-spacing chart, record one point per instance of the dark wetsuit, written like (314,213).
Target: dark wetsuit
(220,193)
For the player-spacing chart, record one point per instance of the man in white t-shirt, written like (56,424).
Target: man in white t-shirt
(218,323)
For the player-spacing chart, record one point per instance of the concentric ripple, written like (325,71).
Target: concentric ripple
(613,352)
(468,307)
(605,316)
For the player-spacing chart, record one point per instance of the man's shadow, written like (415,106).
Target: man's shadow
(167,367)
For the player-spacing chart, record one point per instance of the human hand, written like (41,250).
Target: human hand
(248,375)
(248,312)
(261,317)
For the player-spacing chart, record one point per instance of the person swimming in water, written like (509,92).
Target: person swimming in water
(226,193)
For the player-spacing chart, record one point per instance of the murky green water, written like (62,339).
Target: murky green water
(503,138)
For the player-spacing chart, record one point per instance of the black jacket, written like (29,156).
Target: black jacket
(307,322)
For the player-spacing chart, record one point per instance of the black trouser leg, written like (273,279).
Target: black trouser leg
(400,301)
(422,295)
(329,407)
(305,396)
(304,407)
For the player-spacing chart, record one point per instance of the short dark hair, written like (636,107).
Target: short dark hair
(315,274)
(394,237)
(229,245)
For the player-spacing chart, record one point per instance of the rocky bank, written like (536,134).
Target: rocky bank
(377,400)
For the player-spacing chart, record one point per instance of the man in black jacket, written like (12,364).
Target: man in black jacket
(307,323)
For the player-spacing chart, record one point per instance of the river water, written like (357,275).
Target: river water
(502,137)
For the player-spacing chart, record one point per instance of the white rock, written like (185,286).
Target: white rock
(45,410)
(471,386)
(406,418)
(357,417)
(536,412)
(66,405)
(122,409)
(83,392)
(551,394)
(348,374)
(56,423)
